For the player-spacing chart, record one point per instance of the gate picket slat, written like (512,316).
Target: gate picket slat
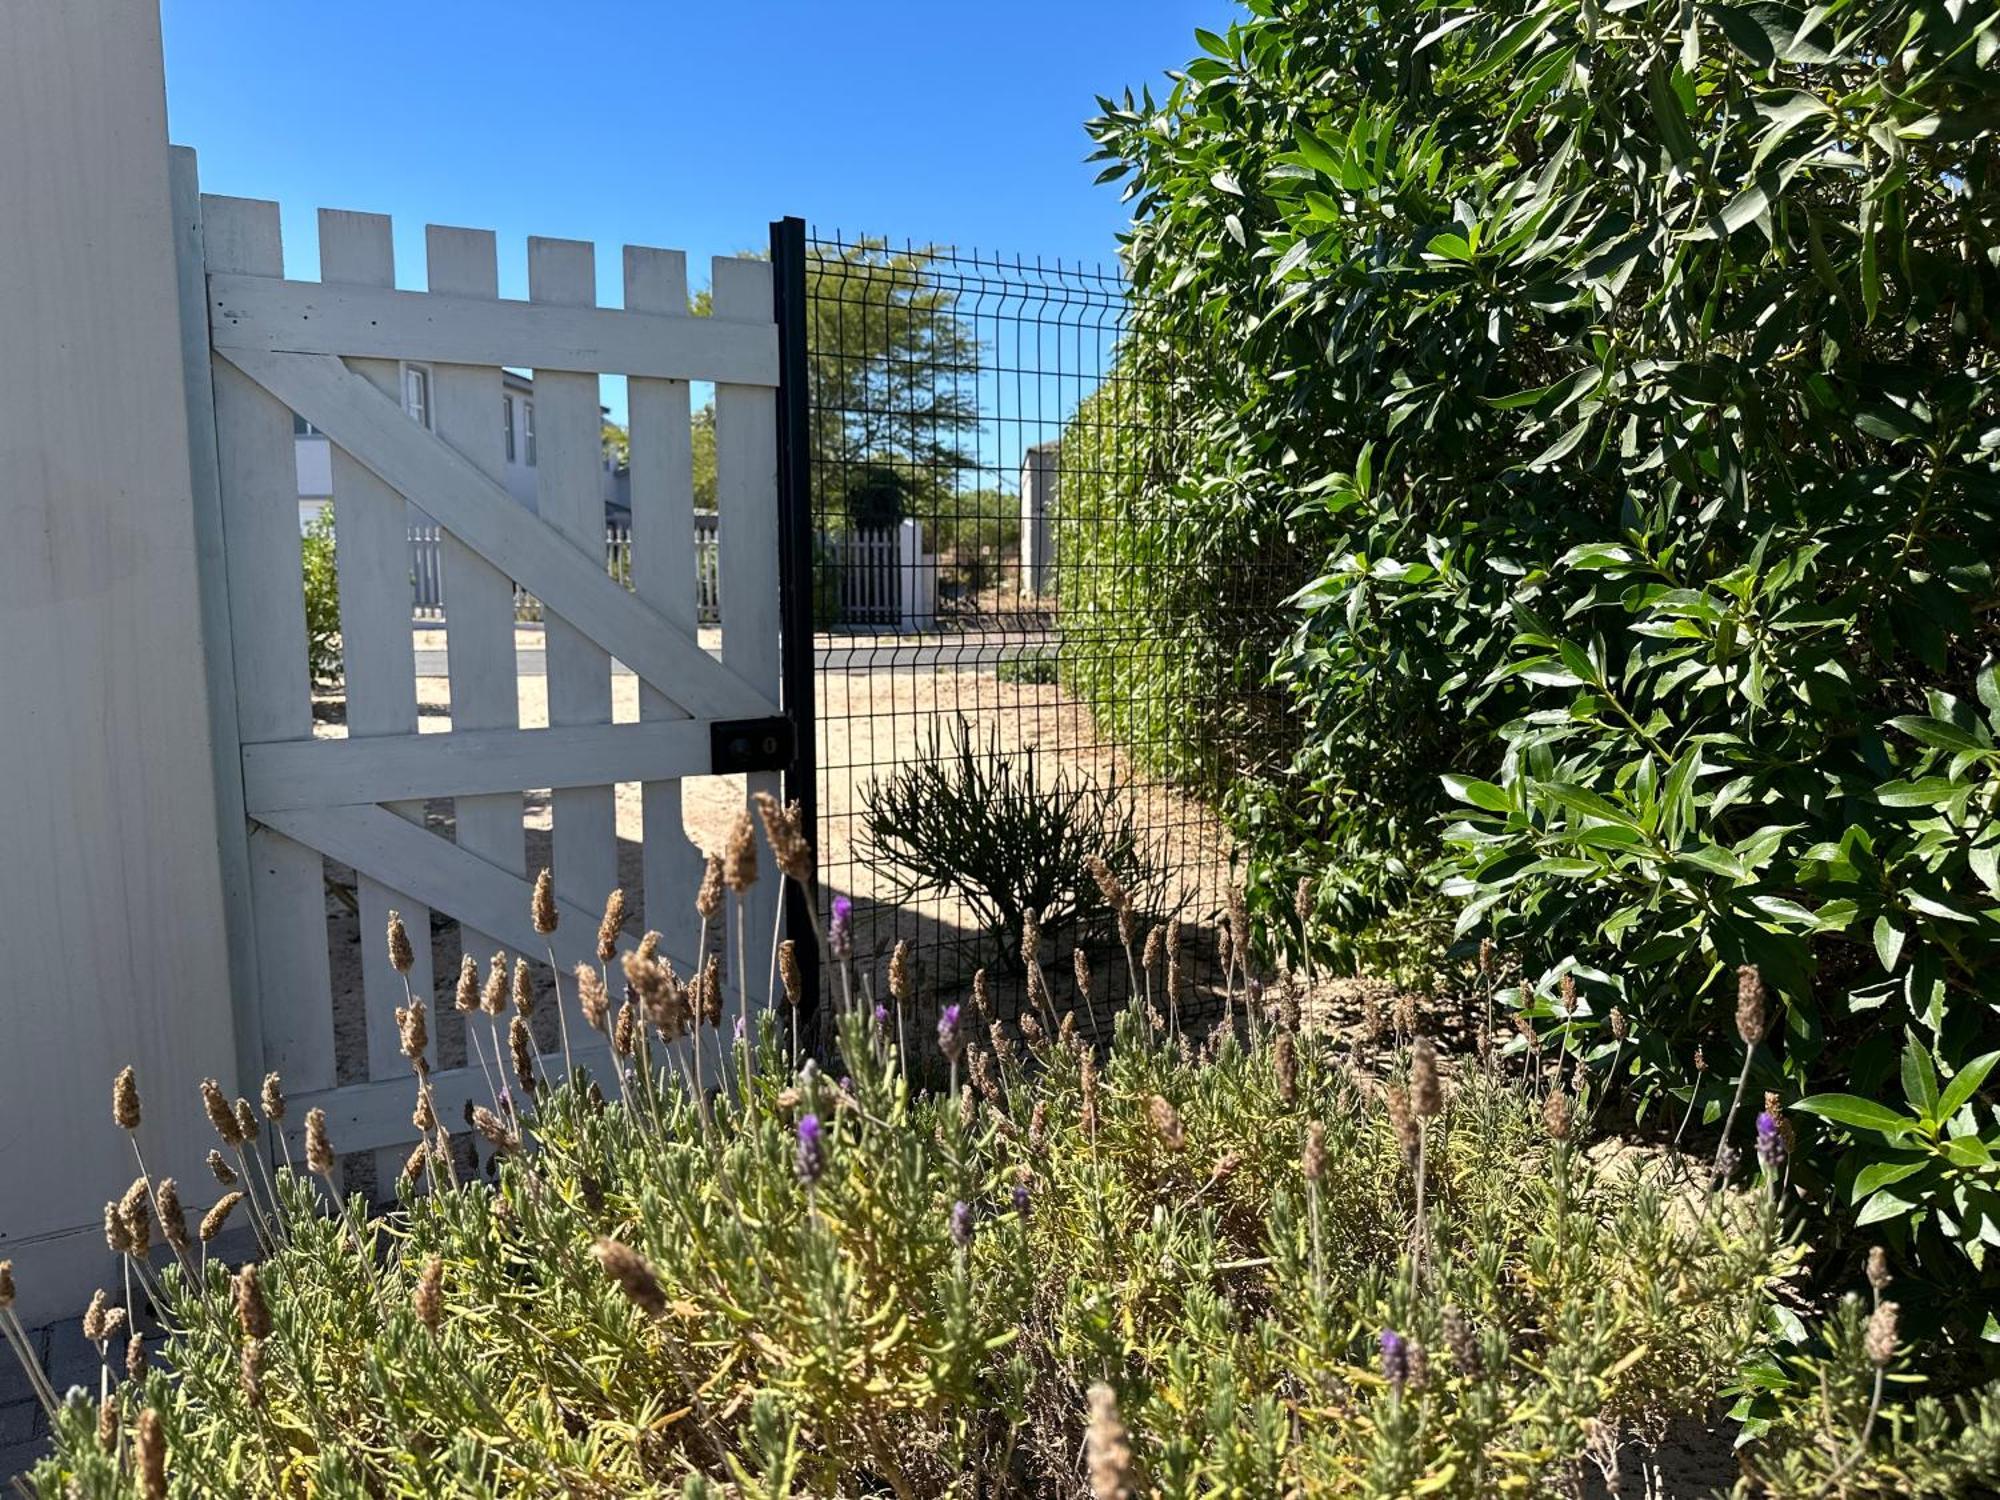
(479,619)
(666,558)
(746,503)
(371,546)
(259,485)
(569,489)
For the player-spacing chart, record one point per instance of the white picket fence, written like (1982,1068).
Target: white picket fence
(427,572)
(885,578)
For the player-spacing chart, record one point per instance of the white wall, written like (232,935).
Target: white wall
(112,938)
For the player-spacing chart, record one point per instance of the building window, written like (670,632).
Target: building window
(507,422)
(417,394)
(528,429)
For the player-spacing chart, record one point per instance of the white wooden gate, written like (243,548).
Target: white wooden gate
(333,351)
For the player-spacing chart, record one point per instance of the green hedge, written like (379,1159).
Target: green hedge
(1627,373)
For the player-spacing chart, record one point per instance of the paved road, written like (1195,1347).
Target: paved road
(963,653)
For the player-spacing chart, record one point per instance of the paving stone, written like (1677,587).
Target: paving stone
(71,1358)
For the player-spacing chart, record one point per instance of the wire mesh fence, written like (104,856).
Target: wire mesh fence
(1018,698)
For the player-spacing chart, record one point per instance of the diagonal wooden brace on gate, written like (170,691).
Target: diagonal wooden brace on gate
(373,430)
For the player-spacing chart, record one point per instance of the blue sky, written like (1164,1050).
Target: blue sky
(688,125)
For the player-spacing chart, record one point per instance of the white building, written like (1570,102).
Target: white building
(313,455)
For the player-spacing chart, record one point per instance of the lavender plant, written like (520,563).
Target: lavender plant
(1243,1269)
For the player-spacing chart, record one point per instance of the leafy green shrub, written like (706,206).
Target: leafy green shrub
(1630,375)
(322,583)
(1034,668)
(988,827)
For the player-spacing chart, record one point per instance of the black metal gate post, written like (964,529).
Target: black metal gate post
(795,579)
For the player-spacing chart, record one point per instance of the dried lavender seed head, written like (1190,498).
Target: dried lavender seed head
(1486,957)
(542,907)
(114,1326)
(1303,903)
(1314,1162)
(413,1026)
(1464,1345)
(591,996)
(149,1456)
(273,1098)
(784,831)
(116,1236)
(491,1126)
(1038,1127)
(93,1316)
(493,998)
(649,945)
(224,1173)
(1426,1095)
(1878,1268)
(524,987)
(1285,1062)
(1031,939)
(424,1116)
(465,999)
(1880,1342)
(610,925)
(1566,995)
(521,1044)
(253,1314)
(1155,949)
(1081,962)
(629,1271)
(1113,890)
(125,1099)
(1107,1448)
(1750,1005)
(401,956)
(1166,1122)
(789,975)
(135,1356)
(6,1285)
(427,1301)
(136,1209)
(739,855)
(414,1164)
(1087,1113)
(901,985)
(220,1115)
(625,1033)
(246,1121)
(173,1218)
(1556,1115)
(1621,1028)
(1700,1059)
(213,1221)
(319,1150)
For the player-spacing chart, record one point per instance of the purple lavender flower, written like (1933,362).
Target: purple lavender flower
(812,1150)
(948,1038)
(1770,1142)
(1395,1358)
(840,934)
(737,1030)
(961,1224)
(846,1084)
(882,1017)
(1021,1199)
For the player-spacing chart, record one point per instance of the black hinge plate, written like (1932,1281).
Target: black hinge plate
(736,745)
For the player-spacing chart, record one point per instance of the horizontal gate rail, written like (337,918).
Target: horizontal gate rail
(261,313)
